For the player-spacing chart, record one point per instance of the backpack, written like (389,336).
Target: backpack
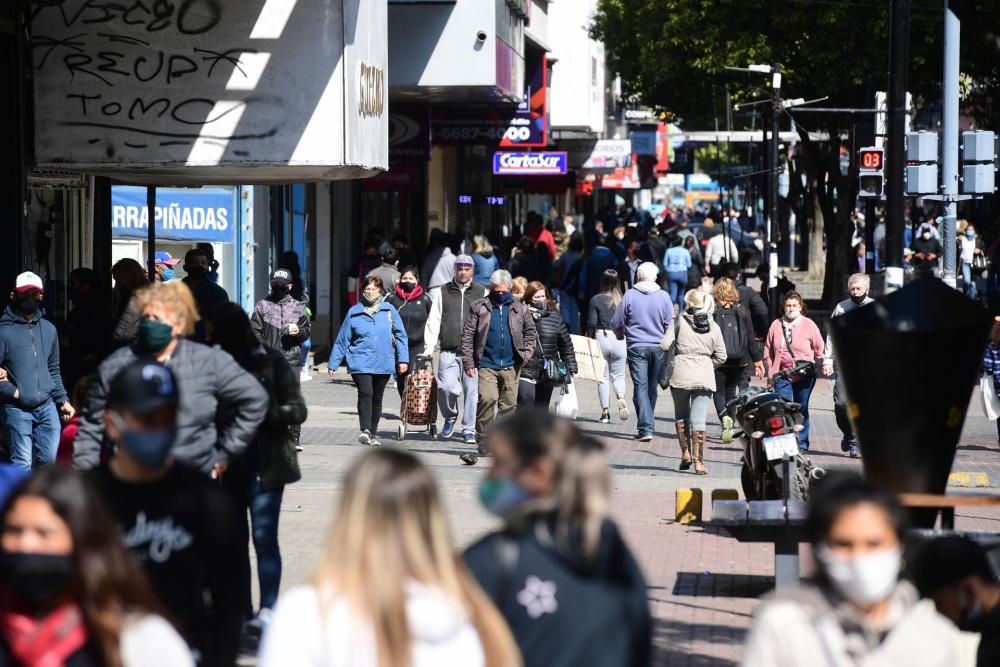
(728,320)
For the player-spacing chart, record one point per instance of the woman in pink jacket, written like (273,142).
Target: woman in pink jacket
(793,338)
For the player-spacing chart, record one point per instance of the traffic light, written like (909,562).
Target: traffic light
(921,163)
(978,162)
(871,172)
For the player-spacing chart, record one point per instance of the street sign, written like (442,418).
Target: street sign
(542,163)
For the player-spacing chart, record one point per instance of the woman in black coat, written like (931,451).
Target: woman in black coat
(414,306)
(554,343)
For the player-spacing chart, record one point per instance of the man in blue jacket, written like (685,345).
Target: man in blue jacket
(29,355)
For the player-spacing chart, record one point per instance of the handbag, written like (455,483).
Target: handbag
(979,261)
(554,372)
(669,357)
(991,404)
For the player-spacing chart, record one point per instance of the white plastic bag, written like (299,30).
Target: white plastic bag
(566,404)
(991,404)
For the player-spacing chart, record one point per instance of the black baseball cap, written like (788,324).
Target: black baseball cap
(142,387)
(281,277)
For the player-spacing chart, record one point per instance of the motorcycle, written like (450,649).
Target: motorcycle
(769,433)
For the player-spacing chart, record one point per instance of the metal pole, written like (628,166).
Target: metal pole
(949,140)
(899,58)
(772,227)
(151,232)
(869,236)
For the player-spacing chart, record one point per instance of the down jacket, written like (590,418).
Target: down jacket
(209,382)
(367,342)
(699,353)
(269,320)
(553,341)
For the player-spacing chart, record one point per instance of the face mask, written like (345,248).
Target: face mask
(863,580)
(197,273)
(858,299)
(27,304)
(407,286)
(792,314)
(168,274)
(516,297)
(539,303)
(153,336)
(926,235)
(970,235)
(369,300)
(38,580)
(279,292)
(149,448)
(501,298)
(500,496)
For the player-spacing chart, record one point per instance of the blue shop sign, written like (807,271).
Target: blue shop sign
(541,163)
(182,214)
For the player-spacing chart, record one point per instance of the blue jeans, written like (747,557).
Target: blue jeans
(798,392)
(264,509)
(970,282)
(677,282)
(32,435)
(306,347)
(644,364)
(570,311)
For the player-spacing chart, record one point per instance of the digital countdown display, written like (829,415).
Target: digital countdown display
(871,159)
(488,200)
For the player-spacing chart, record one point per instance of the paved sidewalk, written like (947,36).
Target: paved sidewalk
(703,585)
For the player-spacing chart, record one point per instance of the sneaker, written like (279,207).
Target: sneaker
(305,375)
(259,623)
(803,447)
(375,442)
(622,408)
(469,459)
(605,418)
(727,429)
(644,437)
(469,437)
(855,452)
(448,429)
(365,438)
(298,447)
(845,444)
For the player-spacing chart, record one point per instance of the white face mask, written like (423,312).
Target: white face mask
(792,314)
(862,580)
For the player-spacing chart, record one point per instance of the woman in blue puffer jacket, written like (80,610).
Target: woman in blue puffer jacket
(370,330)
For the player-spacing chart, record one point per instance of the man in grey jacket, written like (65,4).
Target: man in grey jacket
(857,286)
(221,405)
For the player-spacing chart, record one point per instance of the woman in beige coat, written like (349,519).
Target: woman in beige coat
(700,349)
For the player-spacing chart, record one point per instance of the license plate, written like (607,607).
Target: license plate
(779,445)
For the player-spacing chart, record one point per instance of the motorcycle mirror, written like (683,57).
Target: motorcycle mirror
(908,417)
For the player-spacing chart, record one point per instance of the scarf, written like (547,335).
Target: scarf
(42,642)
(417,292)
(787,326)
(373,307)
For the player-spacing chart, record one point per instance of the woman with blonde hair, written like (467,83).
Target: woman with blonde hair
(559,570)
(484,261)
(389,590)
(221,405)
(700,350)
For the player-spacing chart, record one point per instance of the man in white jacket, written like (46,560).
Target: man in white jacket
(720,249)
(857,286)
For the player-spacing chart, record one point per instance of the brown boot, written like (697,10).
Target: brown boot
(682,438)
(698,445)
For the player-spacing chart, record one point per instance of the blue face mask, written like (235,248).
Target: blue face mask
(149,448)
(501,298)
(970,235)
(168,274)
(501,495)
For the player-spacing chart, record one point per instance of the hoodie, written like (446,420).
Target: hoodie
(30,353)
(299,634)
(565,609)
(644,315)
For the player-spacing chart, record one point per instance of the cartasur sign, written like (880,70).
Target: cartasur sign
(542,163)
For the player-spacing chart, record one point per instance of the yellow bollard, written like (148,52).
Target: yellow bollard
(725,494)
(688,505)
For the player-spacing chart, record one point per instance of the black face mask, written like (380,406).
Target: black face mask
(858,299)
(407,286)
(27,304)
(197,273)
(38,580)
(279,292)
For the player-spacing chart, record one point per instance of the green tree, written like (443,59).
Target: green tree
(672,55)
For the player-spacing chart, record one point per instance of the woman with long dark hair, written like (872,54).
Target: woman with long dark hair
(600,311)
(558,569)
(257,479)
(70,593)
(554,345)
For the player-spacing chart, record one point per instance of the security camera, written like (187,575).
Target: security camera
(481,36)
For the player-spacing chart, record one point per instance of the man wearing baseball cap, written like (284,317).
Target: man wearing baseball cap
(179,525)
(164,265)
(450,305)
(280,322)
(206,293)
(29,354)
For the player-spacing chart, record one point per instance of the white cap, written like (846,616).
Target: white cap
(27,281)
